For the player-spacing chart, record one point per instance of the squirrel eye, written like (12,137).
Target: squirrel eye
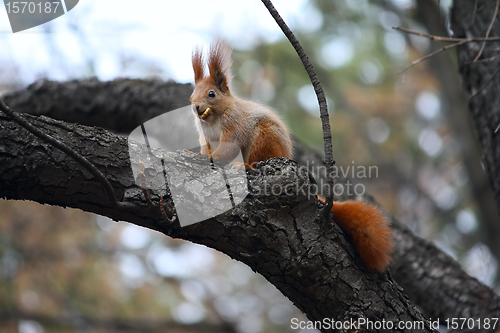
(211,94)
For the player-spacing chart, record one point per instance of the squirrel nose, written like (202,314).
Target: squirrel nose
(198,109)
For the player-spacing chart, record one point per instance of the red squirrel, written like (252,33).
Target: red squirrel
(260,134)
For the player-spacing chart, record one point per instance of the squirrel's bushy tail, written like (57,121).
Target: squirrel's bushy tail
(369,230)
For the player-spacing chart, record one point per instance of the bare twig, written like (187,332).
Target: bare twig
(449,46)
(68,150)
(455,42)
(323,107)
(492,58)
(488,31)
(448,39)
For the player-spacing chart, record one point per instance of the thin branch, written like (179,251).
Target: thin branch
(448,39)
(449,46)
(492,58)
(323,107)
(455,42)
(71,152)
(488,31)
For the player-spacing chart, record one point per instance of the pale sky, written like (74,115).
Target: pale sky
(161,31)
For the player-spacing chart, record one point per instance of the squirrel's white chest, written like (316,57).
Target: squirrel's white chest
(211,131)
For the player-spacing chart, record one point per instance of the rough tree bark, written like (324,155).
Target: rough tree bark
(280,237)
(120,105)
(473,19)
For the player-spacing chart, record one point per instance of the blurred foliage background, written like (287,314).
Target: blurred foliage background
(63,270)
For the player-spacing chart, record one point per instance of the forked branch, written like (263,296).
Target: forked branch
(453,40)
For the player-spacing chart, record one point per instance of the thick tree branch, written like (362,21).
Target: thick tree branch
(442,284)
(119,105)
(435,281)
(282,237)
(66,149)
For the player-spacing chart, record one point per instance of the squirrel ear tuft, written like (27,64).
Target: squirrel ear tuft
(219,65)
(197,60)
